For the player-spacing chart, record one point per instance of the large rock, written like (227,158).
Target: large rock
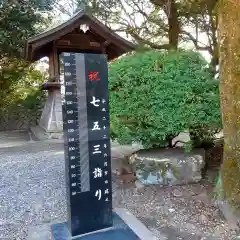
(181,139)
(170,166)
(120,163)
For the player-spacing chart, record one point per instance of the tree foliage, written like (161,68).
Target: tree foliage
(18,21)
(162,24)
(25,83)
(156,95)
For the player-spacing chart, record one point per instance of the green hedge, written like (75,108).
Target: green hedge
(156,95)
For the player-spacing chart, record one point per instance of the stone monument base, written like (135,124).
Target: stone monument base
(51,120)
(125,227)
(39,134)
(172,166)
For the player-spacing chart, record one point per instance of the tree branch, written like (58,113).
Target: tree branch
(195,42)
(147,42)
(174,145)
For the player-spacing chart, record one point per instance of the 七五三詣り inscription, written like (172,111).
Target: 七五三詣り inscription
(87,142)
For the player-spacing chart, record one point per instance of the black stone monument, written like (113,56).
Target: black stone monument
(87,152)
(87,142)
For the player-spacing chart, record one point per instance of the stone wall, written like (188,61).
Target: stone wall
(19,118)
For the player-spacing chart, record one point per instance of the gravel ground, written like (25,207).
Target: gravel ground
(32,193)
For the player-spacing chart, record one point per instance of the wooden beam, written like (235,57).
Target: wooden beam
(62,49)
(106,43)
(80,45)
(51,85)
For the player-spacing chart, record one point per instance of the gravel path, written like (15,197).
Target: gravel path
(32,193)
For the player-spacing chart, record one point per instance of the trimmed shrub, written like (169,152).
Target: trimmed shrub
(156,95)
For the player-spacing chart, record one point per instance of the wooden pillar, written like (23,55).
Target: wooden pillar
(51,66)
(54,63)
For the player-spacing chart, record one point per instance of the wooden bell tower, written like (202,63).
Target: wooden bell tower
(82,33)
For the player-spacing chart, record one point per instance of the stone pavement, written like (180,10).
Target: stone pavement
(20,138)
(14,138)
(32,197)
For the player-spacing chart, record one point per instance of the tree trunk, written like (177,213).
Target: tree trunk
(174,26)
(229,52)
(171,10)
